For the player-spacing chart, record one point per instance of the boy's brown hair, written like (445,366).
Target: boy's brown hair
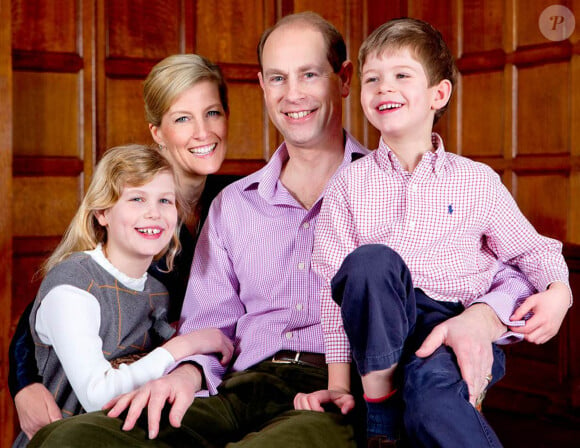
(425,43)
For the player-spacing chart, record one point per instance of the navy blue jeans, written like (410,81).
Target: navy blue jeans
(386,320)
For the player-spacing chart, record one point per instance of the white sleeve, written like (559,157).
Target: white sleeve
(69,319)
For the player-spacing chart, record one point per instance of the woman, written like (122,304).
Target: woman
(187,109)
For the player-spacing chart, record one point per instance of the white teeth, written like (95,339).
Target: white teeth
(389,106)
(203,150)
(149,231)
(301,114)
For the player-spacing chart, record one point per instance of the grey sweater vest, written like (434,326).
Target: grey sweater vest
(126,320)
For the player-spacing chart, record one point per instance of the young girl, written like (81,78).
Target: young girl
(96,302)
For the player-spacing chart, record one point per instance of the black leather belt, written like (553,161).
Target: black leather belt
(301,358)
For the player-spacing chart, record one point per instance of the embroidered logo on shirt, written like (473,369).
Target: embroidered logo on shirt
(450,209)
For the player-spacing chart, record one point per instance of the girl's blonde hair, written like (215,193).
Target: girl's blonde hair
(122,166)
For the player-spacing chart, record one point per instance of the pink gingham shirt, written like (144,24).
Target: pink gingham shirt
(251,274)
(451,220)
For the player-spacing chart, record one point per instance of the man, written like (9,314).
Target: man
(251,277)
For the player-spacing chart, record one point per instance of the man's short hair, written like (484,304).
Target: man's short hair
(336,48)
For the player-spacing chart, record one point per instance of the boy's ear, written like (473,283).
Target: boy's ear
(442,93)
(345,74)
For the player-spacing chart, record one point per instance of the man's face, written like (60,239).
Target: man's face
(302,93)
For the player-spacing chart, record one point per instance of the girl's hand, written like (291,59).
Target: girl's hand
(201,342)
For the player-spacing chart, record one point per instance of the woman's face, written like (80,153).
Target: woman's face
(194,131)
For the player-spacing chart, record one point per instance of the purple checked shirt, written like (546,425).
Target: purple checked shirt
(251,274)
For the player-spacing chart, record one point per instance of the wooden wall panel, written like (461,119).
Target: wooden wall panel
(543,198)
(40,214)
(482,116)
(232,34)
(6,409)
(245,127)
(46,114)
(148,29)
(543,119)
(34,29)
(485,22)
(125,111)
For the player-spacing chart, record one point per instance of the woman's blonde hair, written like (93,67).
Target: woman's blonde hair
(122,166)
(174,75)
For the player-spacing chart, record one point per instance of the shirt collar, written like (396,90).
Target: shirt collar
(387,160)
(266,178)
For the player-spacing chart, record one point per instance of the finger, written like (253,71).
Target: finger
(432,342)
(300,402)
(135,408)
(54,413)
(117,405)
(180,406)
(346,404)
(227,352)
(523,309)
(314,404)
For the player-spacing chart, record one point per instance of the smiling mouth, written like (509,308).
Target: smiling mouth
(203,150)
(298,115)
(389,106)
(149,231)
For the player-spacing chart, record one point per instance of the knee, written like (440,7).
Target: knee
(371,259)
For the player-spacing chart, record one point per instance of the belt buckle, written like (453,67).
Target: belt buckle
(296,359)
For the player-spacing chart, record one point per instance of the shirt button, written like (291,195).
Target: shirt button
(411,224)
(299,307)
(301,265)
(306,225)
(414,187)
(289,335)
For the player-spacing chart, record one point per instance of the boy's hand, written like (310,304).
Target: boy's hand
(314,401)
(549,309)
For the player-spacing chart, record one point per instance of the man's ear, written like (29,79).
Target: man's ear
(261,79)
(345,74)
(441,94)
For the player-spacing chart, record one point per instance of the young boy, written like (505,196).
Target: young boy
(409,237)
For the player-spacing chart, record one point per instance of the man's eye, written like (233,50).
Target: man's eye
(276,79)
(181,119)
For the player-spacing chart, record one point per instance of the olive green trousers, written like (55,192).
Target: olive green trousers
(253,408)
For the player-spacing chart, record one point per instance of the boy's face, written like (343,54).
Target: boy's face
(396,97)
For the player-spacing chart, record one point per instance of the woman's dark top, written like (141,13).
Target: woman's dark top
(23,369)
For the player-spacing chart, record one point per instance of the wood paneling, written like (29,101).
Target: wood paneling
(6,409)
(45,25)
(125,112)
(232,34)
(543,119)
(46,114)
(482,117)
(147,29)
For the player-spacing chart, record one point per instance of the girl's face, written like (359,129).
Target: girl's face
(194,131)
(140,224)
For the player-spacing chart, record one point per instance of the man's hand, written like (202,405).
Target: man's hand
(36,408)
(177,388)
(549,309)
(470,336)
(314,401)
